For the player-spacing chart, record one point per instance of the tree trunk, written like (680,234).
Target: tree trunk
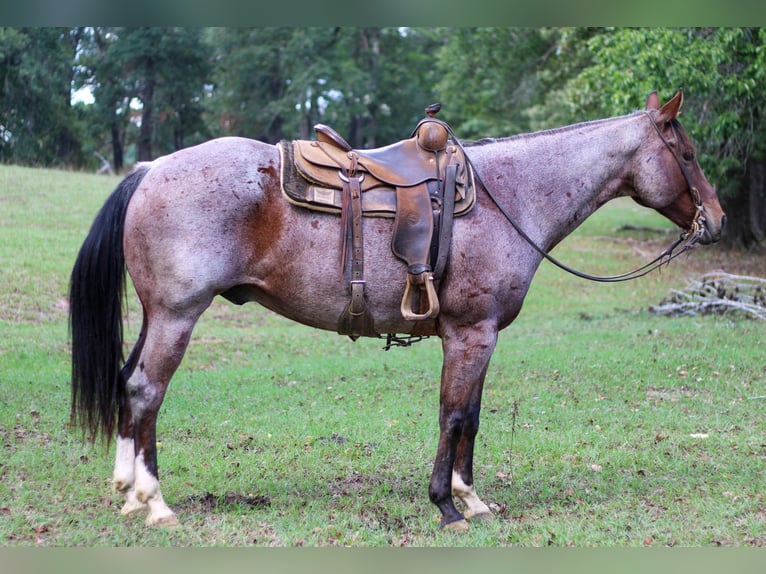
(746,210)
(178,131)
(147,119)
(117,152)
(354,132)
(756,183)
(756,187)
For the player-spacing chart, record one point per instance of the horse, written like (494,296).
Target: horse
(211,220)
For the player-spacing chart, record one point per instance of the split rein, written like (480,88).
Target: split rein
(686,241)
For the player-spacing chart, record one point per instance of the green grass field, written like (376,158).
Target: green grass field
(602,424)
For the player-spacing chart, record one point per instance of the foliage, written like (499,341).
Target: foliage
(164,69)
(496,78)
(249,82)
(533,79)
(481,78)
(386,86)
(276,83)
(181,90)
(722,73)
(37,124)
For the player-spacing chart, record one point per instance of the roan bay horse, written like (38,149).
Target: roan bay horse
(211,220)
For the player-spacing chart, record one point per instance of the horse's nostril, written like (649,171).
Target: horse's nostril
(723,222)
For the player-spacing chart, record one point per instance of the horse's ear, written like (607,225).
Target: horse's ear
(670,110)
(653,102)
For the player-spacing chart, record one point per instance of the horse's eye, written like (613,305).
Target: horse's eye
(689,155)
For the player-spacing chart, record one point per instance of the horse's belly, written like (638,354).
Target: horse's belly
(302,278)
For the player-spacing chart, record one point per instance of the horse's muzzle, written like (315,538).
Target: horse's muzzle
(712,231)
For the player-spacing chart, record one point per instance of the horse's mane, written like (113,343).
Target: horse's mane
(547,132)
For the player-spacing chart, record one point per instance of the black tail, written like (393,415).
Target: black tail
(96,292)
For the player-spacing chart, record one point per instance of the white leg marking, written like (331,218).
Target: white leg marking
(476,508)
(124,463)
(132,504)
(148,492)
(125,475)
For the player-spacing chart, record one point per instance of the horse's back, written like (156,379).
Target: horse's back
(191,211)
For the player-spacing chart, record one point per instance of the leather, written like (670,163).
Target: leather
(413,225)
(326,134)
(317,185)
(402,164)
(356,319)
(444,231)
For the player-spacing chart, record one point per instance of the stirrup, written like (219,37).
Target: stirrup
(424,281)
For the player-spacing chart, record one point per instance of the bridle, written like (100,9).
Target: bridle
(696,227)
(686,241)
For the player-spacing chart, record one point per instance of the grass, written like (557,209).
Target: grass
(602,424)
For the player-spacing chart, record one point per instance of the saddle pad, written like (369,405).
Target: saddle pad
(320,189)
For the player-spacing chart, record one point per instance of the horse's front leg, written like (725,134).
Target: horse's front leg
(467,352)
(462,472)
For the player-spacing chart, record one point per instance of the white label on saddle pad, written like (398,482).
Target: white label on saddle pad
(325,196)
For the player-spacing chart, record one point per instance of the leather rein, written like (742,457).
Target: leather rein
(687,239)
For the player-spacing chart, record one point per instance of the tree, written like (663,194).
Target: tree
(398,69)
(722,72)
(37,122)
(250,82)
(160,89)
(183,72)
(480,71)
(153,78)
(100,71)
(521,80)
(494,79)
(275,83)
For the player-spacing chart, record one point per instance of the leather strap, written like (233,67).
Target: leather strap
(445,220)
(356,319)
(357,249)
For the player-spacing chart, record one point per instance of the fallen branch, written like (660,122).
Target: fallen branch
(717,293)
(106,167)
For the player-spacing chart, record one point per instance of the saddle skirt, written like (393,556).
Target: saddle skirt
(309,175)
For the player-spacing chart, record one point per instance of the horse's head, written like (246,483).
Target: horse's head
(668,177)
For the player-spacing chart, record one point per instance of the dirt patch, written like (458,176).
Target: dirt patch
(210,501)
(355,482)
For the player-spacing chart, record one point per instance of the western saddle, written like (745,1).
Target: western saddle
(422,182)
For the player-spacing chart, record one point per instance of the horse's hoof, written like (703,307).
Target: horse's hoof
(481,517)
(458,526)
(132,505)
(168,521)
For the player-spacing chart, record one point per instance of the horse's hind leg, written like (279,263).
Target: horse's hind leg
(124,475)
(158,355)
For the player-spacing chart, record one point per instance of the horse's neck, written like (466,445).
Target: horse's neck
(553,180)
